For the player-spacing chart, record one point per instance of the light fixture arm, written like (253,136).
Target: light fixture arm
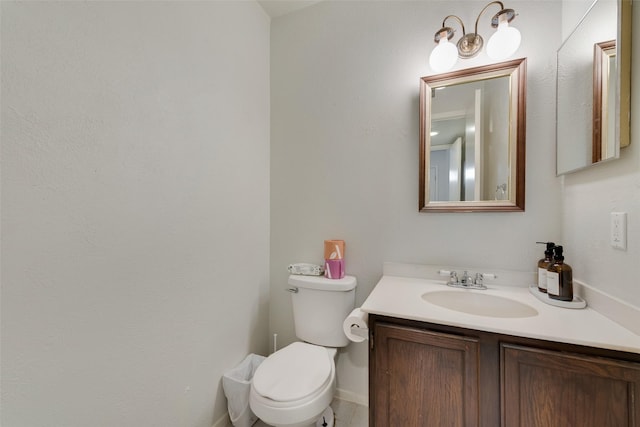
(456,17)
(502,43)
(485,8)
(447,31)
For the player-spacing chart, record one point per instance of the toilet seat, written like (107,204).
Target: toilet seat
(293,374)
(294,371)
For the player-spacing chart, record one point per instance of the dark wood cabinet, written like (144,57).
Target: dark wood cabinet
(425,378)
(550,388)
(423,374)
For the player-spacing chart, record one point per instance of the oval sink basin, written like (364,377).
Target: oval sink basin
(480,304)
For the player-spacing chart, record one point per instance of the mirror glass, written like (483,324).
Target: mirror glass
(472,134)
(593,70)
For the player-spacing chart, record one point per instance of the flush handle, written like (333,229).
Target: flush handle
(293,290)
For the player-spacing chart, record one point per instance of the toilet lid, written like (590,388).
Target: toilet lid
(293,372)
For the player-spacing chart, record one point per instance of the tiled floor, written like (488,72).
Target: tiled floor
(347,414)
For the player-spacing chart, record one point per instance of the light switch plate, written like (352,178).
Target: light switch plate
(619,230)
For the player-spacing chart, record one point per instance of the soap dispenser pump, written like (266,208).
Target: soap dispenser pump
(560,277)
(544,264)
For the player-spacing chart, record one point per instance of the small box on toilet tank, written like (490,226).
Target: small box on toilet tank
(334,259)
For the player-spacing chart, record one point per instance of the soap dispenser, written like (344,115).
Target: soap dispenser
(560,277)
(544,264)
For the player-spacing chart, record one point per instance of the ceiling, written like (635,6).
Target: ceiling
(275,8)
(448,130)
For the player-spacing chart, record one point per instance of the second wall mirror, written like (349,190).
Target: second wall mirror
(593,88)
(472,139)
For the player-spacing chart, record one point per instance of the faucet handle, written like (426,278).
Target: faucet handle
(453,276)
(479,280)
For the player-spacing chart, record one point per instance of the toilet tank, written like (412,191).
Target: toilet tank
(320,305)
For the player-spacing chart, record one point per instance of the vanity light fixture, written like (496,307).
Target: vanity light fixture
(502,44)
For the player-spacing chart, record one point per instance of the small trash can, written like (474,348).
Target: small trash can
(237,385)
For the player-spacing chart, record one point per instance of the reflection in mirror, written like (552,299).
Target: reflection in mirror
(472,139)
(593,88)
(604,107)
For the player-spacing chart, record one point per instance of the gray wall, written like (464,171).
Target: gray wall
(136,190)
(135,219)
(589,197)
(344,150)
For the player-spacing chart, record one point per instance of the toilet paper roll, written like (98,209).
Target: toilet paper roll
(355,326)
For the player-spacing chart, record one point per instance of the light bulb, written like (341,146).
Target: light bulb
(504,42)
(444,56)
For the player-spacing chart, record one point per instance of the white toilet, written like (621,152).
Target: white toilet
(295,385)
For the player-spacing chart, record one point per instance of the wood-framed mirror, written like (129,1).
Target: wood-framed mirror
(472,139)
(593,88)
(604,106)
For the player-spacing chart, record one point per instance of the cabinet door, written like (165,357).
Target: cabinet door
(423,378)
(547,388)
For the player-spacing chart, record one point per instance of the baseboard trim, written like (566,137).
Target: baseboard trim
(224,421)
(621,312)
(350,396)
(345,395)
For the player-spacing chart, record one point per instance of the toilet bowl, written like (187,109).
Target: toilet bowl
(294,386)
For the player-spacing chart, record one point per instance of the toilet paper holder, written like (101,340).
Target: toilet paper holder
(361,332)
(355,326)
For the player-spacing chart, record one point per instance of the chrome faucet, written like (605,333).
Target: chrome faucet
(479,280)
(466,281)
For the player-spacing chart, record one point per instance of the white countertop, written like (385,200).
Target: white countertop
(401,297)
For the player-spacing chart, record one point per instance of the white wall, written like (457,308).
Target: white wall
(135,220)
(344,149)
(135,186)
(573,11)
(589,197)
